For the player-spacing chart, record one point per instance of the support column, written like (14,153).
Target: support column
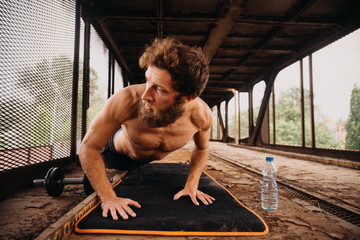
(113,76)
(109,75)
(86,74)
(226,120)
(273,114)
(302,104)
(235,135)
(269,84)
(75,88)
(239,117)
(212,126)
(251,111)
(312,118)
(221,124)
(218,123)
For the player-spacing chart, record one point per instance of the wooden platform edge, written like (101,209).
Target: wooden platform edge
(63,227)
(340,162)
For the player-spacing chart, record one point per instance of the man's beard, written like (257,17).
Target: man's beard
(161,118)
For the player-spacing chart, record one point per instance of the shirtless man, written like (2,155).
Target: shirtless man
(146,122)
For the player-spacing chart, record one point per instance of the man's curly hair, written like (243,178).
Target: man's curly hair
(187,65)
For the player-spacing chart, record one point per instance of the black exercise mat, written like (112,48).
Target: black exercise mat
(161,215)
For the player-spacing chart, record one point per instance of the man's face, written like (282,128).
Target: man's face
(161,105)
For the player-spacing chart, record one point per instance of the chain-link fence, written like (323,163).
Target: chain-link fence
(36,74)
(36,80)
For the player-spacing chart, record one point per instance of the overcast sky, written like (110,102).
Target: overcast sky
(336,68)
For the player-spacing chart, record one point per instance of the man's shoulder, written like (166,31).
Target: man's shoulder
(123,104)
(134,91)
(201,115)
(128,96)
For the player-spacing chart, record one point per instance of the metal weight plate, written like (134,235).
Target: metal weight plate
(54,186)
(87,186)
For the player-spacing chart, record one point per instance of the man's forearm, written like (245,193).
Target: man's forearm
(198,162)
(93,165)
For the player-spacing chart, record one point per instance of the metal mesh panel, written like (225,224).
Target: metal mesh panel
(36,61)
(80,86)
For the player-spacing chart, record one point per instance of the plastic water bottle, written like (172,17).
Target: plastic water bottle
(269,189)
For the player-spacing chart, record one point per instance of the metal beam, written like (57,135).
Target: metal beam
(311,22)
(242,68)
(222,97)
(115,18)
(159,14)
(229,82)
(282,22)
(223,28)
(216,89)
(264,104)
(239,49)
(296,12)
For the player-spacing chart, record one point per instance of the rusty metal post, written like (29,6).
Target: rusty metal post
(212,125)
(253,138)
(226,120)
(239,117)
(75,87)
(221,123)
(113,76)
(312,117)
(273,114)
(302,104)
(86,74)
(109,74)
(251,111)
(218,122)
(235,135)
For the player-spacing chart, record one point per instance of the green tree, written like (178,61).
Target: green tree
(48,101)
(244,124)
(48,84)
(288,121)
(352,125)
(288,118)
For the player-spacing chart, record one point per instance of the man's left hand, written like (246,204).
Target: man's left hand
(194,195)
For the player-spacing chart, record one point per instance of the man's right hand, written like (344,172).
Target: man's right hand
(119,206)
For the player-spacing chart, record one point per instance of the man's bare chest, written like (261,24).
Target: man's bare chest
(159,139)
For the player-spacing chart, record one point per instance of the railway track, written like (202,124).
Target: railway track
(293,192)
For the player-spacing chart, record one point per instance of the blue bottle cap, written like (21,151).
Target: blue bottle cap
(269,159)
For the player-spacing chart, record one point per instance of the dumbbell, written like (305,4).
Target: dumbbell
(54,182)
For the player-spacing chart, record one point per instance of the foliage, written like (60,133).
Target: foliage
(244,125)
(48,84)
(288,118)
(352,125)
(41,114)
(288,122)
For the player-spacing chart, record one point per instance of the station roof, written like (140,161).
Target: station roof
(243,40)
